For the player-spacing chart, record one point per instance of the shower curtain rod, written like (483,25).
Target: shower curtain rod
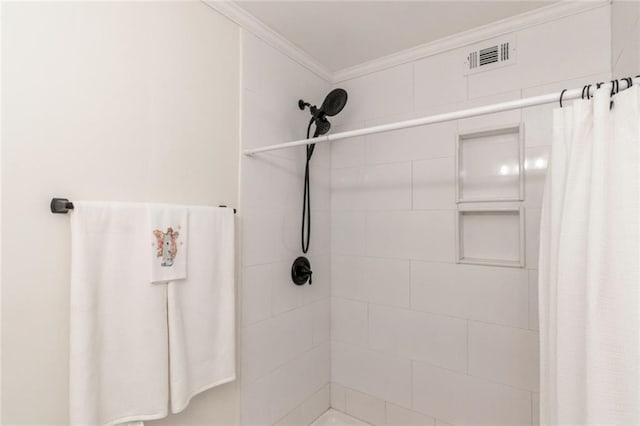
(455,115)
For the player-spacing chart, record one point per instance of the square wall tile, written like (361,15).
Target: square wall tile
(504,355)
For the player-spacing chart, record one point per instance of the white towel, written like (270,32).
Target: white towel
(201,309)
(169,241)
(118,331)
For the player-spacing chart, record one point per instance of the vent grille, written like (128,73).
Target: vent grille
(497,54)
(504,51)
(489,55)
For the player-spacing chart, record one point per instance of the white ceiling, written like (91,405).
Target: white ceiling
(341,34)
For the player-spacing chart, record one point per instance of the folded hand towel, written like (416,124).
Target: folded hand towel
(168,233)
(118,329)
(201,308)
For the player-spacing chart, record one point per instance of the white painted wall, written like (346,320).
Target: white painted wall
(625,38)
(417,338)
(102,101)
(285,348)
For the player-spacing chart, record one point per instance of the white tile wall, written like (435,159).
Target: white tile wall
(464,400)
(338,396)
(366,407)
(371,372)
(504,354)
(369,279)
(434,184)
(378,94)
(400,416)
(482,293)
(625,39)
(349,152)
(551,52)
(349,321)
(415,336)
(422,235)
(285,355)
(420,336)
(533,299)
(439,79)
(424,142)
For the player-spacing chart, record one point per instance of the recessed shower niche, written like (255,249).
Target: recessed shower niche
(489,165)
(490,234)
(489,191)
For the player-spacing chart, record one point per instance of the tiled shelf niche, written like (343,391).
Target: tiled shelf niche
(490,235)
(489,195)
(489,165)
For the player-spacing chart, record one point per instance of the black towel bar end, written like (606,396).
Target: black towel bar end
(61,205)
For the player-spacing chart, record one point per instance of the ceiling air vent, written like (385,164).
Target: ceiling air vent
(489,55)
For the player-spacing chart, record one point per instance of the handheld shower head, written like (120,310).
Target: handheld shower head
(322,126)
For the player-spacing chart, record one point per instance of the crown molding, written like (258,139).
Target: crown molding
(539,16)
(256,27)
(495,29)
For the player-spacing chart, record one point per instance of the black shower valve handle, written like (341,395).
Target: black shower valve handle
(301,271)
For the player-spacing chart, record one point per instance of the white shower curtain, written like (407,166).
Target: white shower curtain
(590,265)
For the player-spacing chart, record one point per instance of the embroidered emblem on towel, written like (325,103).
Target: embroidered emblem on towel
(166,245)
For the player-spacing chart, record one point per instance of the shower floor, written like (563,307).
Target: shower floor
(333,417)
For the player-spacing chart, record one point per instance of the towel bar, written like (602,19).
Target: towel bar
(63,205)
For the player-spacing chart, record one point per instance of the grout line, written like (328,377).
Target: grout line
(467,345)
(412,186)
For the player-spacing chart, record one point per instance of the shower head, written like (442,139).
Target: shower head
(334,102)
(322,126)
(332,105)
